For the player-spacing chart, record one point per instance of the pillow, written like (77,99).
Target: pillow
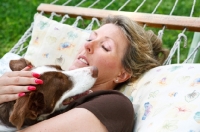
(167,98)
(4,62)
(54,43)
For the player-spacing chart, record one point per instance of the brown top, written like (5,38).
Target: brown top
(113,109)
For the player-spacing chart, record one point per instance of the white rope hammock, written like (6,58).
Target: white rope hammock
(162,21)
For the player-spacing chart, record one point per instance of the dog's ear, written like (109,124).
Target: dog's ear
(36,105)
(17,116)
(18,65)
(27,107)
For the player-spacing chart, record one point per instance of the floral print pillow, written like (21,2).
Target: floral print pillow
(54,43)
(167,99)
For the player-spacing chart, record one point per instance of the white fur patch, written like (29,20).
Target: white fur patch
(82,81)
(43,69)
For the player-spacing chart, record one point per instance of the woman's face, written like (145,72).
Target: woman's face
(104,49)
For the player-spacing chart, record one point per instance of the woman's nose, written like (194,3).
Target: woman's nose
(89,46)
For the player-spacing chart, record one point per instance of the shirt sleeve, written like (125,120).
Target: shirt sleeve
(113,109)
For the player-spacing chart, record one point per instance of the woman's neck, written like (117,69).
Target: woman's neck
(103,86)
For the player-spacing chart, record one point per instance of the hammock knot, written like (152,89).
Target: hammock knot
(54,14)
(89,27)
(77,20)
(65,17)
(182,35)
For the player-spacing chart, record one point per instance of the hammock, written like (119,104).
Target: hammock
(163,23)
(166,98)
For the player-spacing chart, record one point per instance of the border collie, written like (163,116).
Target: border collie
(58,86)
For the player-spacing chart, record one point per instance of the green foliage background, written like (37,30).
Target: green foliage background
(16,17)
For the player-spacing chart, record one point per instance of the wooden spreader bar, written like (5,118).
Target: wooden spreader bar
(151,20)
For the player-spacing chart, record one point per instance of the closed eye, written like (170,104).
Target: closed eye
(89,40)
(105,48)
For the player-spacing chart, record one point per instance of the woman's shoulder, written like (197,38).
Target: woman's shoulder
(107,101)
(111,107)
(104,97)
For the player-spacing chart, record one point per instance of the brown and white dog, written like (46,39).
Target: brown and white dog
(58,86)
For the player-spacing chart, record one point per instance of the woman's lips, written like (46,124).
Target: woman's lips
(83,60)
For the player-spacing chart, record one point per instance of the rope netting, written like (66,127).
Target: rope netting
(178,40)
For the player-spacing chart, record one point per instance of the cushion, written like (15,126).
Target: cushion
(54,43)
(167,98)
(4,62)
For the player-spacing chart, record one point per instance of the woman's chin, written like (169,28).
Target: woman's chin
(72,68)
(76,67)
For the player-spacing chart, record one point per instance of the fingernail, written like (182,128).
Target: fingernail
(35,75)
(31,88)
(38,81)
(29,66)
(21,94)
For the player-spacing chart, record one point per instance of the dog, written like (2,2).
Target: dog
(58,86)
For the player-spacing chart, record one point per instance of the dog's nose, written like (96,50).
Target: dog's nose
(94,71)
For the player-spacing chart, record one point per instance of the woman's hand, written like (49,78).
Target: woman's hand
(15,84)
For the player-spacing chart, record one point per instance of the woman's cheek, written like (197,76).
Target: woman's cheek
(108,63)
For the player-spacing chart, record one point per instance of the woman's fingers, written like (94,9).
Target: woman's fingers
(10,93)
(27,68)
(9,97)
(16,89)
(19,81)
(19,74)
(15,84)
(20,78)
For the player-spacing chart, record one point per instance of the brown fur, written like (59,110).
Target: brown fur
(5,109)
(18,65)
(26,109)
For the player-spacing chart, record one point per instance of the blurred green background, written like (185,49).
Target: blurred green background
(16,17)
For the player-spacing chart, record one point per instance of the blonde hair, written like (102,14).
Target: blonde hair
(144,50)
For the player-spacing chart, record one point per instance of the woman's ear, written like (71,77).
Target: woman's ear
(122,77)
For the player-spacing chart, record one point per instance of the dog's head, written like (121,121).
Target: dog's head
(49,96)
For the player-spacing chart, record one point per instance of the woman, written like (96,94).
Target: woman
(122,51)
